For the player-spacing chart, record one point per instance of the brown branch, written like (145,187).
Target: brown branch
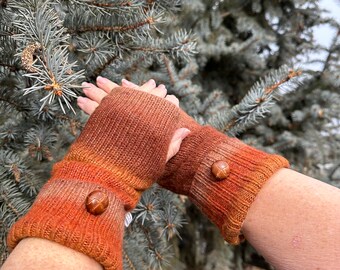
(167,65)
(292,73)
(15,105)
(229,125)
(133,68)
(217,95)
(9,205)
(131,266)
(124,28)
(10,67)
(147,235)
(331,51)
(100,69)
(143,49)
(107,5)
(74,124)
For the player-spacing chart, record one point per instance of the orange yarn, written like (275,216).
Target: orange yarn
(225,202)
(121,152)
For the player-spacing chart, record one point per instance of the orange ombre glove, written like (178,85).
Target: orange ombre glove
(221,175)
(121,152)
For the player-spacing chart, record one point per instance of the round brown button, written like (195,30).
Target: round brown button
(220,169)
(97,202)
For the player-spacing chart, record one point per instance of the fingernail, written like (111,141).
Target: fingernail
(151,81)
(85,84)
(102,80)
(81,100)
(127,82)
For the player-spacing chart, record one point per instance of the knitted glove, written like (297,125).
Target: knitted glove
(121,152)
(195,169)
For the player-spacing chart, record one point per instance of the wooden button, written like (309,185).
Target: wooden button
(97,202)
(220,169)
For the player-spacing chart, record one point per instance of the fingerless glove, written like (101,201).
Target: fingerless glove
(121,152)
(221,175)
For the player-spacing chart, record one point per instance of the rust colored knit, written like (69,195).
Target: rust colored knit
(121,151)
(225,202)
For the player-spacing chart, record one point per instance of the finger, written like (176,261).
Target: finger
(87,105)
(176,141)
(159,91)
(129,84)
(173,99)
(93,92)
(148,86)
(106,84)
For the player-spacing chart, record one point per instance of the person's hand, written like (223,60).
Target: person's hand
(95,94)
(221,175)
(122,151)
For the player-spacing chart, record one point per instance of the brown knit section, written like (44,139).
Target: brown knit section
(78,171)
(178,176)
(130,129)
(225,202)
(60,216)
(122,151)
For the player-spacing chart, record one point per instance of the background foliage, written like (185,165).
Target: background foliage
(231,63)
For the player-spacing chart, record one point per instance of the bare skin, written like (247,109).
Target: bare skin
(294,222)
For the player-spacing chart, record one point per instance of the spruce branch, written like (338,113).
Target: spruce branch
(56,78)
(11,98)
(11,165)
(148,207)
(135,22)
(123,28)
(39,141)
(41,29)
(256,104)
(13,203)
(105,65)
(180,45)
(127,258)
(172,222)
(331,51)
(103,7)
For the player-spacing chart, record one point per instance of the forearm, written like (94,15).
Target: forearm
(60,215)
(294,222)
(37,253)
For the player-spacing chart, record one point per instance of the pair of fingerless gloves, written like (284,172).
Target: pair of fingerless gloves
(120,153)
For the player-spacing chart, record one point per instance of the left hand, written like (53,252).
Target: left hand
(95,94)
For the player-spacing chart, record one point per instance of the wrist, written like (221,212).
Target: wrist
(107,178)
(60,214)
(226,202)
(183,167)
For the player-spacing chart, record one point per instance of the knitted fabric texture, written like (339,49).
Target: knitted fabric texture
(121,152)
(225,202)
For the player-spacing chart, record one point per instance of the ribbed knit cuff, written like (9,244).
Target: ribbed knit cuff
(226,203)
(59,214)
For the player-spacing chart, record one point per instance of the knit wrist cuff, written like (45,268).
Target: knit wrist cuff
(59,214)
(227,202)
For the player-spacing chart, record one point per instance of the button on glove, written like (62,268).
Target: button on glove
(121,152)
(192,172)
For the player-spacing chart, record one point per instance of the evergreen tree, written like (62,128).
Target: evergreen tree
(241,70)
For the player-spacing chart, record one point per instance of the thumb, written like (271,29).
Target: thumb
(176,141)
